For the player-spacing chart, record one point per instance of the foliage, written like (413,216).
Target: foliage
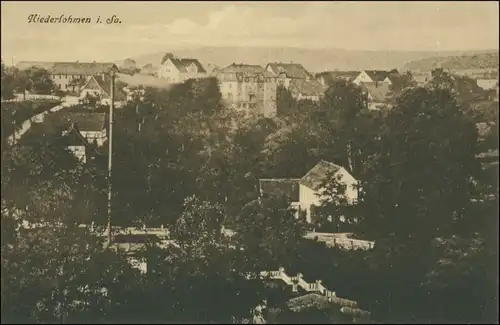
(268,233)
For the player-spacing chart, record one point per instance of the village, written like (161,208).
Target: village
(306,185)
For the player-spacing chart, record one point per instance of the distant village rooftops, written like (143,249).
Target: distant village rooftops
(291,70)
(380,75)
(82,68)
(332,75)
(306,87)
(183,64)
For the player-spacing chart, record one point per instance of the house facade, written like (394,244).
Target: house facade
(71,76)
(248,88)
(311,188)
(178,70)
(306,193)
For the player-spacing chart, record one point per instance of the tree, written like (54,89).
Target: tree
(402,82)
(7,84)
(334,205)
(427,142)
(348,131)
(40,80)
(268,234)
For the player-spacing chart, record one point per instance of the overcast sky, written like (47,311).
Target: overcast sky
(165,26)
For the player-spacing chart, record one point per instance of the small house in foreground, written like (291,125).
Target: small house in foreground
(306,193)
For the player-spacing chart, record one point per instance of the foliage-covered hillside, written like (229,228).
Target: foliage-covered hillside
(462,62)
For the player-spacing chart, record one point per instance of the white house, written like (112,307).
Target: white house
(178,70)
(311,188)
(306,193)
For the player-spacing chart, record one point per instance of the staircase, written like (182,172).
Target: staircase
(348,307)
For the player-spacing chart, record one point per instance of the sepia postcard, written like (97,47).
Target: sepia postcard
(249,162)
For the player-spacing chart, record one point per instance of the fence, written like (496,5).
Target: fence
(341,241)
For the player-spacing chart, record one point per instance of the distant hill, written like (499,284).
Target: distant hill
(315,60)
(459,62)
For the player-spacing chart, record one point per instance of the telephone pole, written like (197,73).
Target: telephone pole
(110,153)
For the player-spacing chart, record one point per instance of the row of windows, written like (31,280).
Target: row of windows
(68,76)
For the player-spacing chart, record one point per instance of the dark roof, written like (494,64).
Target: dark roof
(307,87)
(379,93)
(82,68)
(75,138)
(182,64)
(316,176)
(380,75)
(88,121)
(329,76)
(278,187)
(292,70)
(308,300)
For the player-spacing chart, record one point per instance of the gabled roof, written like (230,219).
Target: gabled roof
(380,75)
(277,187)
(82,68)
(87,121)
(316,176)
(182,64)
(74,138)
(306,87)
(379,93)
(105,85)
(292,70)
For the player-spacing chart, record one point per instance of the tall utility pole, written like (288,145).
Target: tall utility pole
(110,153)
